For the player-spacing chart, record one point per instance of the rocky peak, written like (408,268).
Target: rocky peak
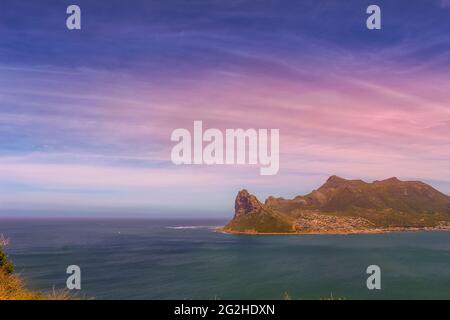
(246,203)
(333,182)
(271,200)
(391,180)
(335,178)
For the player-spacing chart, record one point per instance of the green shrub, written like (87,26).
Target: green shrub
(5,265)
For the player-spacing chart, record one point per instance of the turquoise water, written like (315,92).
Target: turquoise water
(145,259)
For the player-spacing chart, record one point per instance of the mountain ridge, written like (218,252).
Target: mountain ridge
(345,206)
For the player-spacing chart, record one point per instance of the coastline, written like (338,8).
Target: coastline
(330,232)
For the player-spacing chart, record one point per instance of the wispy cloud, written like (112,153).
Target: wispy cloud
(444,3)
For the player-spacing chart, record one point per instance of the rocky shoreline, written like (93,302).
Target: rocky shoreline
(331,232)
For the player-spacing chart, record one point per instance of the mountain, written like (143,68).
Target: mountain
(345,206)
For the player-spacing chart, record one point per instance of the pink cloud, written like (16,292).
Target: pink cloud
(355,126)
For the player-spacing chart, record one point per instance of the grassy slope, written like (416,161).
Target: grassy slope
(388,203)
(12,287)
(413,197)
(265,221)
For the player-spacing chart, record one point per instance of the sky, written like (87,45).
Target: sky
(86,115)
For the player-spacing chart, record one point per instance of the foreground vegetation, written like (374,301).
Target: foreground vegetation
(12,286)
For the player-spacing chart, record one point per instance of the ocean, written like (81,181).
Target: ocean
(175,259)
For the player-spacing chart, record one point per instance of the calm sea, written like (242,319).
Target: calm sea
(148,259)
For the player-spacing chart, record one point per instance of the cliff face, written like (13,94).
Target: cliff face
(246,203)
(345,206)
(251,216)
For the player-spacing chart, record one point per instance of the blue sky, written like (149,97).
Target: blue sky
(86,116)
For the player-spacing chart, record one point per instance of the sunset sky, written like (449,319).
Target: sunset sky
(86,115)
